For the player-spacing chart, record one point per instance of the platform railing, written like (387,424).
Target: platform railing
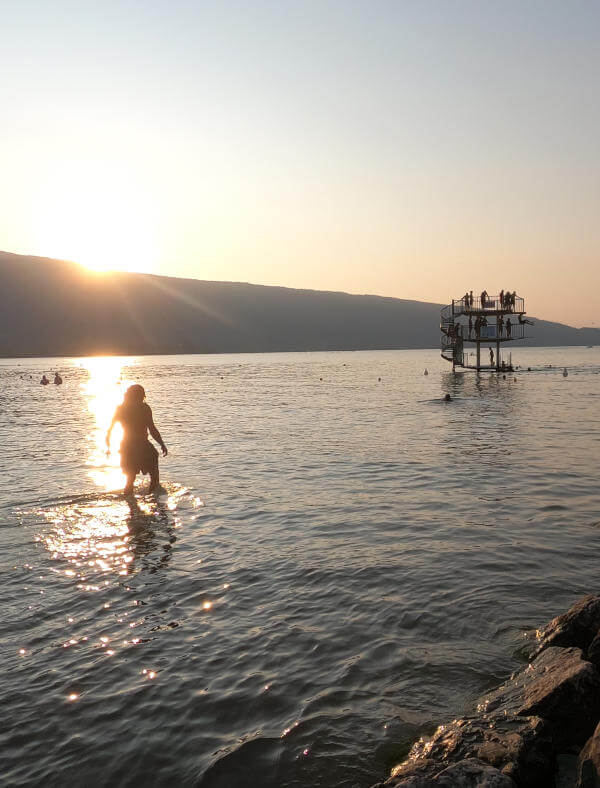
(492,303)
(489,333)
(486,333)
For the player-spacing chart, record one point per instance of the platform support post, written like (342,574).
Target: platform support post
(478,355)
(497,355)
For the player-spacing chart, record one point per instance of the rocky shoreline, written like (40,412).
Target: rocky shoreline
(539,729)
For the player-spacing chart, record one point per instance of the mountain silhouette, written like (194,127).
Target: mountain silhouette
(57,308)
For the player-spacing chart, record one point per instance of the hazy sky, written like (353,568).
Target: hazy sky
(408,148)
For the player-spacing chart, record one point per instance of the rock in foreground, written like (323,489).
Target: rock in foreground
(577,627)
(559,686)
(518,747)
(464,774)
(544,710)
(589,762)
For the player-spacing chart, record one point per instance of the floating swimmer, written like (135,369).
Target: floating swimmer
(565,373)
(138,455)
(426,372)
(57,379)
(447,398)
(44,381)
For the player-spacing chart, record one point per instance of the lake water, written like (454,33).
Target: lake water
(339,561)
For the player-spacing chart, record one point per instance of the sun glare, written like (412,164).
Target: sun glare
(100,220)
(104,391)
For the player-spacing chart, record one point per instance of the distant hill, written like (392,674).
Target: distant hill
(52,307)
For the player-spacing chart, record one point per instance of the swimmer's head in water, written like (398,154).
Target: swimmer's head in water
(447,398)
(135,393)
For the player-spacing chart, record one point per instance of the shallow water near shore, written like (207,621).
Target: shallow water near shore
(337,562)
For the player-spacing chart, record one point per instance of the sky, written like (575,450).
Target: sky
(406,148)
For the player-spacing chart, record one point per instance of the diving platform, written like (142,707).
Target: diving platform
(486,320)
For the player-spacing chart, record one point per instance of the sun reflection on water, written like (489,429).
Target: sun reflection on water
(91,537)
(100,534)
(103,391)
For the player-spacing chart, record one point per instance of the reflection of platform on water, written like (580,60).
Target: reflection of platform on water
(491,321)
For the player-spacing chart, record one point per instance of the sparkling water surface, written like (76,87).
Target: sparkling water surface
(339,560)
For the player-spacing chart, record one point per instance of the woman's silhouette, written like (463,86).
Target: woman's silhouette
(138,455)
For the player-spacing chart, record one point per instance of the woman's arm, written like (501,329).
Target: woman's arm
(115,419)
(155,433)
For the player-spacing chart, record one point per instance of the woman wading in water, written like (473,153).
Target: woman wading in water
(138,455)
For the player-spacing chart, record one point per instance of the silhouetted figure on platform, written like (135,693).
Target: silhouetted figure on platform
(508,327)
(138,455)
(491,357)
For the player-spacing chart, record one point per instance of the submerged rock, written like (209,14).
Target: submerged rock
(589,762)
(577,627)
(559,686)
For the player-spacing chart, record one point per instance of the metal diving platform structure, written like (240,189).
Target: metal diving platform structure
(486,320)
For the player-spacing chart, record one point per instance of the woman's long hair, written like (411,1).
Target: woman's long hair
(134,395)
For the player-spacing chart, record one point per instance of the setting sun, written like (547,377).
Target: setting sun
(101,219)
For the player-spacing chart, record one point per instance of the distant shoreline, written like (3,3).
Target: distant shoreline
(257,352)
(51,306)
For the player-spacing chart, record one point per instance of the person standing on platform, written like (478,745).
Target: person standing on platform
(508,327)
(491,357)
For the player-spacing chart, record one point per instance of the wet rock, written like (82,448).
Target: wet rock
(589,762)
(559,686)
(520,747)
(577,627)
(413,774)
(567,769)
(468,773)
(471,772)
